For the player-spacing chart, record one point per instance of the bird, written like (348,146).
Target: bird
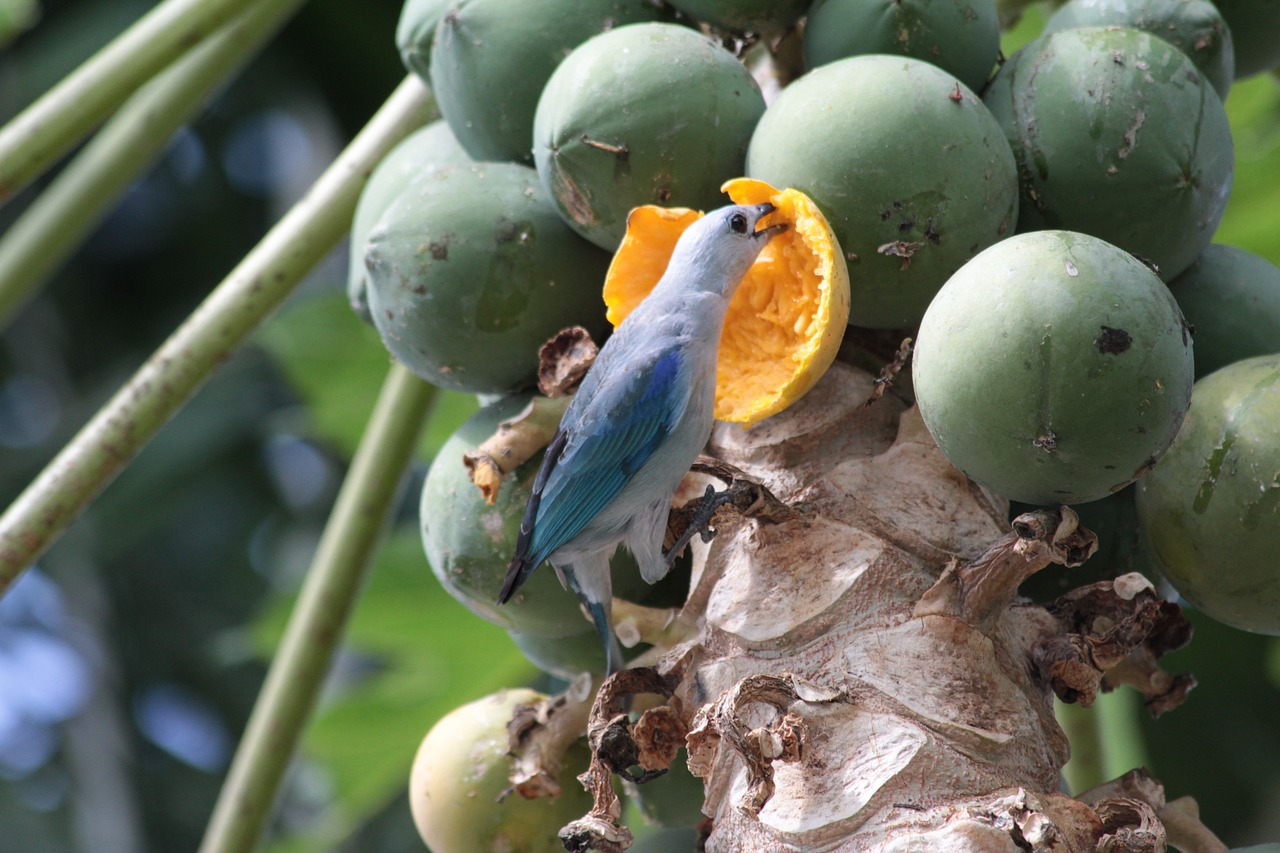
(641,416)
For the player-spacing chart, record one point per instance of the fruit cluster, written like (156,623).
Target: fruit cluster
(1041,223)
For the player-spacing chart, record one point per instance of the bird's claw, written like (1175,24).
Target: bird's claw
(700,523)
(643,776)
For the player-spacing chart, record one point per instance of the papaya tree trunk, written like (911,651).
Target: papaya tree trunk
(864,676)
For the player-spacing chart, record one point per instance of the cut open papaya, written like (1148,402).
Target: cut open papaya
(786,321)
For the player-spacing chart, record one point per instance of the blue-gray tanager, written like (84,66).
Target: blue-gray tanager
(638,422)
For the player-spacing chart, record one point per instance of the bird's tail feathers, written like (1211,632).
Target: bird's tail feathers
(517,573)
(523,562)
(612,648)
(591,581)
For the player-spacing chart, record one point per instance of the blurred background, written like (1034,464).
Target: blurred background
(131,655)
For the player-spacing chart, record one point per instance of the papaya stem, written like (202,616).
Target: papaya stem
(1120,740)
(60,118)
(328,596)
(255,288)
(1086,768)
(58,221)
(619,151)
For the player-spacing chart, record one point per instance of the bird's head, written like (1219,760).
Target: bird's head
(718,249)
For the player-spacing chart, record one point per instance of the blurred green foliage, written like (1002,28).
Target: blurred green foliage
(336,363)
(1222,746)
(16,16)
(414,654)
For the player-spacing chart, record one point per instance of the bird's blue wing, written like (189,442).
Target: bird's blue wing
(631,418)
(592,459)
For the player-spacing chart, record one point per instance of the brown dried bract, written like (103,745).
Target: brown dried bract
(614,750)
(564,360)
(1113,633)
(596,832)
(1043,823)
(1129,826)
(659,734)
(1116,803)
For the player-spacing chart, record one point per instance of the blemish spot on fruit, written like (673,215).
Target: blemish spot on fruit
(568,193)
(1131,135)
(900,249)
(1144,468)
(1047,442)
(439,250)
(1113,341)
(1266,505)
(1072,270)
(1213,467)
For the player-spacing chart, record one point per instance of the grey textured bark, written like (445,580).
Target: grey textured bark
(863,676)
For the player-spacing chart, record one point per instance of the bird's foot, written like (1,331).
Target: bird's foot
(747,497)
(700,523)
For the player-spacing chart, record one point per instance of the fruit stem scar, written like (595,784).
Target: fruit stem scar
(1045,438)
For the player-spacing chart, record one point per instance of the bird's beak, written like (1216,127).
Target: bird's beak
(767,234)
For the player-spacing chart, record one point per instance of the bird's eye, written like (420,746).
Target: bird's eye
(738,223)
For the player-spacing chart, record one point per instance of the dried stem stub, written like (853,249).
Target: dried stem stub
(517,440)
(614,750)
(538,736)
(563,361)
(980,590)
